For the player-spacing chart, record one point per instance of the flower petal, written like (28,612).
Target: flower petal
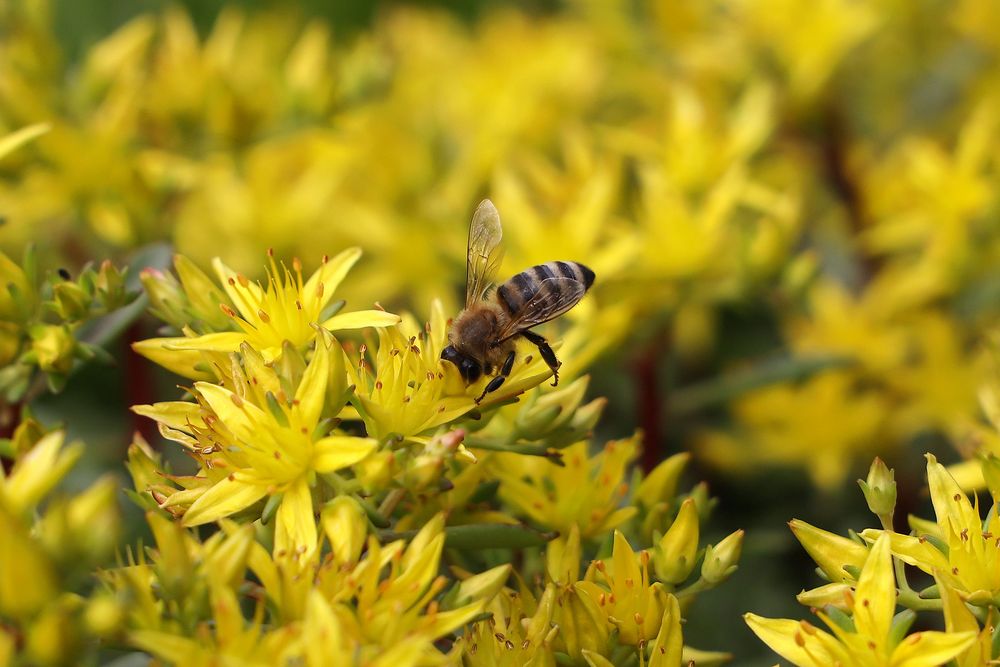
(223,341)
(876,593)
(804,649)
(330,274)
(295,529)
(311,392)
(927,649)
(360,319)
(339,451)
(226,497)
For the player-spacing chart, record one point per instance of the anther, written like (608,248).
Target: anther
(264,317)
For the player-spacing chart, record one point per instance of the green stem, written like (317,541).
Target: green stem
(693,589)
(525,449)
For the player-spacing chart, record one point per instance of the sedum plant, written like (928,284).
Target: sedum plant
(346,501)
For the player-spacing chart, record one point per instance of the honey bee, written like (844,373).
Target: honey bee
(483,335)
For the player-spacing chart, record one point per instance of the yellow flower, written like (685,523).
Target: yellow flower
(871,641)
(964,551)
(262,442)
(549,494)
(779,427)
(624,594)
(287,309)
(403,388)
(519,633)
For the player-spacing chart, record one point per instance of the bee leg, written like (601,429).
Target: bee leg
(547,354)
(497,382)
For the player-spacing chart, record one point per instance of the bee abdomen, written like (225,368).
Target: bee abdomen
(517,291)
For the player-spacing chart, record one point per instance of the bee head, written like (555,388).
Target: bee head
(469,368)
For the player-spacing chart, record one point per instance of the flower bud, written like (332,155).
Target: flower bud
(562,557)
(103,615)
(583,626)
(880,491)
(53,347)
(827,595)
(553,415)
(346,526)
(110,284)
(674,554)
(166,299)
(202,292)
(52,637)
(376,470)
(94,520)
(721,560)
(71,301)
(660,485)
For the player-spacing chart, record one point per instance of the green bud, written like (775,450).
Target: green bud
(110,284)
(202,293)
(166,299)
(880,491)
(72,303)
(721,560)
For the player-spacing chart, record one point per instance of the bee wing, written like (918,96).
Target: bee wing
(484,253)
(553,298)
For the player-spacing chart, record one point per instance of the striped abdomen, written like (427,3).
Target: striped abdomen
(572,280)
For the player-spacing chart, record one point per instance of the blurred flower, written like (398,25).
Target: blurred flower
(780,426)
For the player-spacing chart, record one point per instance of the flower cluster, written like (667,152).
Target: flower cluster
(957,554)
(363,507)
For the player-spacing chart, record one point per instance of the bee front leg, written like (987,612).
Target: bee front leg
(547,354)
(497,382)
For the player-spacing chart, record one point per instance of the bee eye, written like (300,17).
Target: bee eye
(451,354)
(470,370)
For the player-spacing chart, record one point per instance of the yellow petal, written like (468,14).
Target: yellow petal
(330,274)
(244,297)
(928,649)
(830,551)
(875,594)
(223,341)
(360,319)
(38,471)
(790,640)
(226,497)
(339,451)
(15,140)
(311,392)
(239,416)
(182,362)
(951,505)
(175,414)
(295,530)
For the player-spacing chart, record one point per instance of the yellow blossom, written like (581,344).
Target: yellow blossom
(965,553)
(262,442)
(287,309)
(871,640)
(548,493)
